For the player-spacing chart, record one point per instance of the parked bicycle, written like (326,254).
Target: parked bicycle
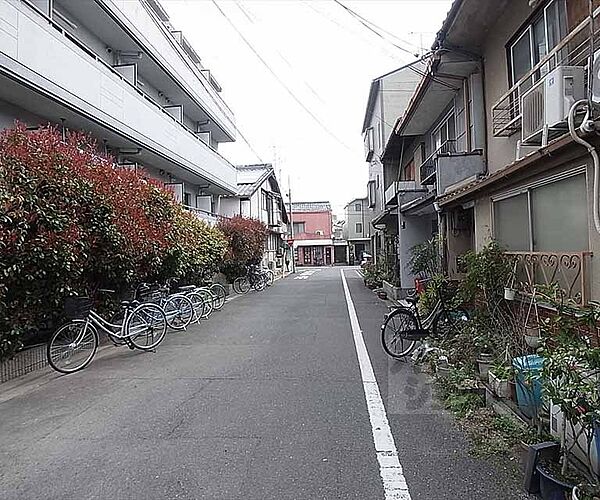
(179,308)
(73,346)
(403,327)
(255,278)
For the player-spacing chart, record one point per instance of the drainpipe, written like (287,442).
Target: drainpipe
(588,125)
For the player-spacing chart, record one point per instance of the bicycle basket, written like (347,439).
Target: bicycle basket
(77,307)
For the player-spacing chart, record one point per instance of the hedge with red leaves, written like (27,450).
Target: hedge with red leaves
(71,222)
(245,244)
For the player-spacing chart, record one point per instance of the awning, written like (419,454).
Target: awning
(389,218)
(420,206)
(313,243)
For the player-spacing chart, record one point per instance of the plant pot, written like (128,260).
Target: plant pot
(509,293)
(499,386)
(552,488)
(484,362)
(532,341)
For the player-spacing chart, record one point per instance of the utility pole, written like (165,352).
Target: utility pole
(291,219)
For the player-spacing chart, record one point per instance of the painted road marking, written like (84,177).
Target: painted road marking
(306,274)
(394,482)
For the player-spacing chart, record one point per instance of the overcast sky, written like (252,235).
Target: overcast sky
(326,59)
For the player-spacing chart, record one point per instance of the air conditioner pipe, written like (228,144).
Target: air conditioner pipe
(587,126)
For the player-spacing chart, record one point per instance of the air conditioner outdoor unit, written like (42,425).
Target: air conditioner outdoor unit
(545,106)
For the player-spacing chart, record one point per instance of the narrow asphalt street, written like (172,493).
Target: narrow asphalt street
(263,401)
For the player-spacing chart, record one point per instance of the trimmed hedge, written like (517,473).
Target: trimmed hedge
(71,221)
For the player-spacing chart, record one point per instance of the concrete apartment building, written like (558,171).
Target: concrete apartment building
(258,196)
(312,224)
(388,97)
(357,229)
(120,71)
(484,143)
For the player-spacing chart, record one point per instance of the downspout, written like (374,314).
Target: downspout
(588,124)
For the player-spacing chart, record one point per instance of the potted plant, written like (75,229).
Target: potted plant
(509,290)
(498,378)
(532,336)
(570,382)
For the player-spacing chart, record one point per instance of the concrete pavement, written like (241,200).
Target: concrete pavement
(262,401)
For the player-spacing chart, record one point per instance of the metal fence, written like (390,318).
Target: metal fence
(26,361)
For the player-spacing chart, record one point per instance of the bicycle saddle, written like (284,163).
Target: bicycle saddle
(187,287)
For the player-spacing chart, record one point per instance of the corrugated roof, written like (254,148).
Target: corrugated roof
(311,206)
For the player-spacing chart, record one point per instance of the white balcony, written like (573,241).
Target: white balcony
(46,61)
(158,41)
(573,51)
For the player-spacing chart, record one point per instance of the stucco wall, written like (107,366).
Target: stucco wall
(501,150)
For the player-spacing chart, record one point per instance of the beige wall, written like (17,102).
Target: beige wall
(501,150)
(483,215)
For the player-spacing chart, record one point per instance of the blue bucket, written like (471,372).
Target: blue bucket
(528,384)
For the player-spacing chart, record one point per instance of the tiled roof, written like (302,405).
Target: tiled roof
(250,177)
(311,206)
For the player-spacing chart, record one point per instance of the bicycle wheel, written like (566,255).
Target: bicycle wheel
(198,303)
(72,347)
(179,311)
(449,322)
(259,283)
(393,339)
(270,276)
(219,292)
(208,299)
(146,326)
(117,319)
(241,285)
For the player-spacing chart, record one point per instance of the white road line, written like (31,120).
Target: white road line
(394,482)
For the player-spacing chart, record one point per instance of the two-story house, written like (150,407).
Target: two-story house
(312,225)
(538,196)
(122,72)
(258,196)
(357,229)
(388,97)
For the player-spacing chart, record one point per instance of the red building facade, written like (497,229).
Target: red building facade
(312,226)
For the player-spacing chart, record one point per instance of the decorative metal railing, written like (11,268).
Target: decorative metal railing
(428,167)
(573,50)
(568,270)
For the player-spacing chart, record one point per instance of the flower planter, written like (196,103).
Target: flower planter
(393,292)
(509,293)
(532,337)
(552,488)
(499,386)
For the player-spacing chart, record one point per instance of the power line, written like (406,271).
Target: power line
(283,58)
(279,80)
(367,24)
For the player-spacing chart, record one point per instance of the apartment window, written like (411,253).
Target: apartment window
(187,197)
(358,207)
(263,200)
(446,131)
(549,217)
(299,227)
(245,207)
(359,228)
(371,193)
(539,37)
(408,172)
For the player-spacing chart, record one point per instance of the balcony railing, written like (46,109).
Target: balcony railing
(428,167)
(568,270)
(208,217)
(573,50)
